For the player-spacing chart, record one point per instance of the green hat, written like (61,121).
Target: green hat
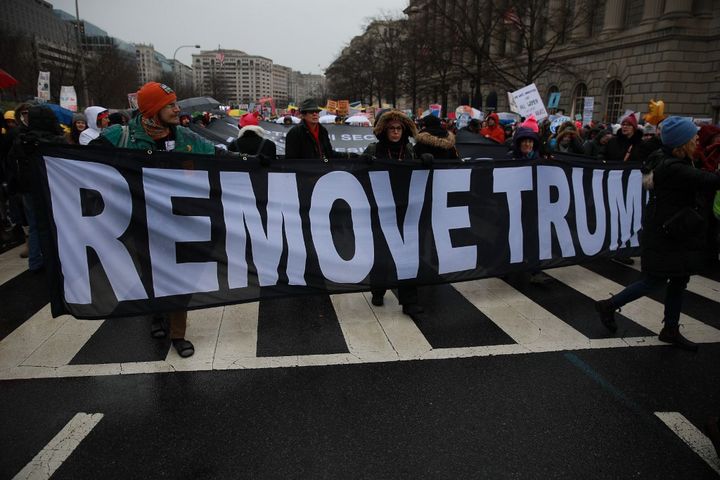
(309,105)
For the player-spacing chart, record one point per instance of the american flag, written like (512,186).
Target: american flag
(510,17)
(220,57)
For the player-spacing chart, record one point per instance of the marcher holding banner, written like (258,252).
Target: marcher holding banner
(674,244)
(435,140)
(157,128)
(393,131)
(309,139)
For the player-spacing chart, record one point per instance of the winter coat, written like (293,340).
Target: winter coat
(574,146)
(251,141)
(383,149)
(619,146)
(521,133)
(437,146)
(185,139)
(92,131)
(299,143)
(495,132)
(684,250)
(44,128)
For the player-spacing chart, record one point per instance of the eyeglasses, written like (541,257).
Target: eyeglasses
(395,128)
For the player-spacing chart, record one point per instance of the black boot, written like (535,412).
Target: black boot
(378,299)
(607,314)
(672,335)
(412,309)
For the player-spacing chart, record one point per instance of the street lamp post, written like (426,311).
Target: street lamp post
(81,57)
(175,65)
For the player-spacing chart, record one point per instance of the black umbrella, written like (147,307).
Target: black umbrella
(198,104)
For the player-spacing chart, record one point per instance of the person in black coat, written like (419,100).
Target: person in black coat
(673,240)
(251,139)
(309,139)
(393,130)
(621,147)
(435,140)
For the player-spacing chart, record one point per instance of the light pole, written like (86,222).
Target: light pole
(175,69)
(81,57)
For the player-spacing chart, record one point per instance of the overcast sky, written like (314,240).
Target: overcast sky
(305,35)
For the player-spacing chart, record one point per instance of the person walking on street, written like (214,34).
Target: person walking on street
(620,147)
(493,130)
(98,118)
(393,130)
(158,128)
(435,140)
(673,241)
(252,139)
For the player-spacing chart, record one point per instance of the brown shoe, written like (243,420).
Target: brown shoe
(672,335)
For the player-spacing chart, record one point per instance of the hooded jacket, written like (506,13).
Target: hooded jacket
(521,133)
(573,146)
(92,131)
(495,132)
(594,148)
(382,148)
(251,141)
(435,140)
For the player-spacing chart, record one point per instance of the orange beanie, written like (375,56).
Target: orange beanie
(152,97)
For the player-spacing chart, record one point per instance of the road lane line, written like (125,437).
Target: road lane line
(693,437)
(363,334)
(11,265)
(405,337)
(49,459)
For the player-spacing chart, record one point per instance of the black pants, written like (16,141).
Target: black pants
(406,295)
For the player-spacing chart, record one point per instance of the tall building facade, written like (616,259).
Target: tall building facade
(281,84)
(307,85)
(232,76)
(152,65)
(622,53)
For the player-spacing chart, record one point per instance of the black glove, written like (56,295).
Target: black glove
(367,158)
(264,160)
(427,159)
(353,155)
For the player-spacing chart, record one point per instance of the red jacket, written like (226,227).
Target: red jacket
(495,132)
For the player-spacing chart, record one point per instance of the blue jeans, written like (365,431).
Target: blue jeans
(650,283)
(35,257)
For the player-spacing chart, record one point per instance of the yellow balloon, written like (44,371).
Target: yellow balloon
(656,112)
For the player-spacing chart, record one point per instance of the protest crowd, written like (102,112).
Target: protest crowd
(679,161)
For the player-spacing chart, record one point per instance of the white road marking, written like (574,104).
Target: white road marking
(694,438)
(363,333)
(12,264)
(60,447)
(698,284)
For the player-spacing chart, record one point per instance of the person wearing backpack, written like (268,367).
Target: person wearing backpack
(673,237)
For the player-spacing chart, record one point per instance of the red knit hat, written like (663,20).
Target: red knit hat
(249,119)
(152,97)
(631,120)
(531,123)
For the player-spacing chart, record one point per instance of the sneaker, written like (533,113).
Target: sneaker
(607,314)
(672,335)
(378,300)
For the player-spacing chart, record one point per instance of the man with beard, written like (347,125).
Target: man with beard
(157,127)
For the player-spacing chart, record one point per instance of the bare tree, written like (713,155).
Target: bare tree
(110,77)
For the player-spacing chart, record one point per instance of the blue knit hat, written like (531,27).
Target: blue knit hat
(677,131)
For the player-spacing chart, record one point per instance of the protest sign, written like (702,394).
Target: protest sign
(68,98)
(43,87)
(588,106)
(527,101)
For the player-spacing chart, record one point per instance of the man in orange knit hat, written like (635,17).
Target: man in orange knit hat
(157,127)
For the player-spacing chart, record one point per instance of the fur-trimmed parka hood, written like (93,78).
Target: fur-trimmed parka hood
(447,142)
(257,130)
(409,129)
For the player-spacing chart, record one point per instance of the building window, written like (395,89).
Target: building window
(614,101)
(579,95)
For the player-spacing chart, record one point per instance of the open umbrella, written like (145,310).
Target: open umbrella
(328,119)
(282,119)
(198,104)
(63,115)
(357,120)
(6,80)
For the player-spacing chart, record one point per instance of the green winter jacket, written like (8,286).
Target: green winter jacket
(185,139)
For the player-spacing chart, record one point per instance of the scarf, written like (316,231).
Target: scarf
(391,150)
(153,128)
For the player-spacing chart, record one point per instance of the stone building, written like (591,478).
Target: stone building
(232,76)
(625,53)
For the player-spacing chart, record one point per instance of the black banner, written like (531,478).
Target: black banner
(133,232)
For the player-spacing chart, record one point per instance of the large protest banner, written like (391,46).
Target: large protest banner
(133,232)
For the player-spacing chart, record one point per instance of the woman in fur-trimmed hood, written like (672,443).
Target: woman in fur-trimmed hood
(435,140)
(251,138)
(393,130)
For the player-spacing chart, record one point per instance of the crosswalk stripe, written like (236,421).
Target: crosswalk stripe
(406,338)
(689,434)
(363,333)
(50,458)
(644,311)
(237,338)
(203,327)
(63,344)
(525,321)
